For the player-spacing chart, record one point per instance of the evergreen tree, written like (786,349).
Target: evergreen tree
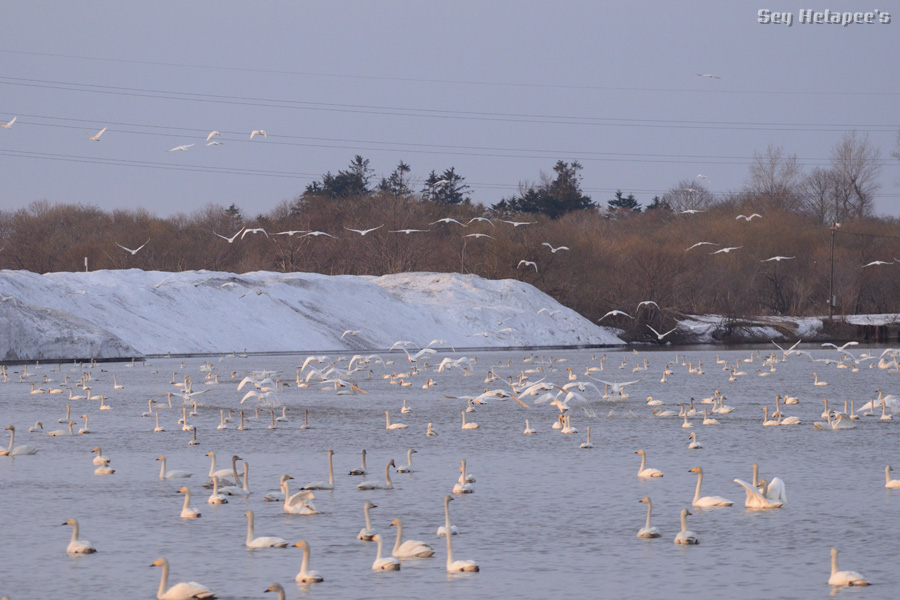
(397,183)
(553,197)
(446,188)
(349,182)
(623,203)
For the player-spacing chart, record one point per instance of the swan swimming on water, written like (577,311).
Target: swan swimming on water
(263,541)
(321,485)
(374,485)
(305,575)
(388,563)
(407,468)
(24,450)
(362,469)
(186,511)
(648,531)
(179,591)
(455,566)
(163,474)
(299,503)
(706,501)
(845,578)
(888,482)
(367,533)
(77,546)
(755,499)
(645,473)
(409,548)
(685,536)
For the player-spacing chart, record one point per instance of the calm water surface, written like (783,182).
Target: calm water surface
(547,519)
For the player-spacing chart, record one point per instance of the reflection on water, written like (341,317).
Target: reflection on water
(547,519)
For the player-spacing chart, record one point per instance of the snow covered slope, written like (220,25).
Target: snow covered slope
(107,314)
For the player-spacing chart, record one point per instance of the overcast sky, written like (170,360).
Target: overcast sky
(500,90)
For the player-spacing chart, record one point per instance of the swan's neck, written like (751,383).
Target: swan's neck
(12,436)
(363,461)
(246,485)
(643,461)
(649,510)
(399,535)
(212,466)
(330,469)
(683,522)
(699,483)
(187,500)
(157,420)
(387,419)
(305,562)
(409,457)
(368,518)
(588,434)
(447,531)
(287,493)
(387,475)
(237,480)
(162,468)
(75,528)
(378,555)
(834,566)
(887,474)
(215,486)
(164,580)
(250,535)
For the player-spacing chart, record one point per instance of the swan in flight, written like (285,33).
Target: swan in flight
(726,250)
(186,511)
(77,546)
(645,473)
(231,239)
(618,389)
(299,503)
(888,482)
(648,531)
(756,500)
(407,468)
(163,474)
(364,231)
(305,575)
(518,223)
(212,134)
(179,591)
(96,137)
(660,336)
(615,313)
(254,230)
(409,548)
(700,244)
(748,218)
(374,485)
(708,76)
(388,563)
(367,533)
(706,501)
(527,263)
(182,148)
(8,124)
(256,132)
(685,536)
(18,450)
(447,220)
(409,231)
(779,258)
(845,578)
(321,485)
(261,542)
(454,566)
(554,250)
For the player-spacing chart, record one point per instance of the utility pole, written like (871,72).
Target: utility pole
(834,227)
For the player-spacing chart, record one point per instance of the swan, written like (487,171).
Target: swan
(374,485)
(306,576)
(299,503)
(464,424)
(62,432)
(707,420)
(826,413)
(756,500)
(407,468)
(454,566)
(846,578)
(104,406)
(84,429)
(158,429)
(884,416)
(365,534)
(587,444)
(646,472)
(163,474)
(567,425)
(528,429)
(775,491)
(321,485)
(222,423)
(706,501)
(243,489)
(842,422)
(19,450)
(789,420)
(261,542)
(463,484)
(816,380)
(216,497)
(686,424)
(77,546)
(648,531)
(389,425)
(277,496)
(405,409)
(179,591)
(694,445)
(104,469)
(384,564)
(430,432)
(276,587)
(409,548)
(38,427)
(186,511)
(362,469)
(888,482)
(242,427)
(685,536)
(305,419)
(99,459)
(68,416)
(222,474)
(767,422)
(116,385)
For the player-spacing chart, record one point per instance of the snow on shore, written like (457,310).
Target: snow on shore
(109,314)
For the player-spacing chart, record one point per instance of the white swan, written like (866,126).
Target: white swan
(464,424)
(362,469)
(648,531)
(179,591)
(186,511)
(846,578)
(409,548)
(767,422)
(694,445)
(321,485)
(68,416)
(587,444)
(38,427)
(816,380)
(455,566)
(884,416)
(278,589)
(163,474)
(99,459)
(222,423)
(841,422)
(305,575)
(367,533)
(756,500)
(104,469)
(685,536)
(775,490)
(464,483)
(158,429)
(264,541)
(707,420)
(84,430)
(222,474)
(888,482)
(528,428)
(374,485)
(61,432)
(18,450)
(407,468)
(77,546)
(706,501)
(216,497)
(645,473)
(389,425)
(305,419)
(277,496)
(388,563)
(430,432)
(299,503)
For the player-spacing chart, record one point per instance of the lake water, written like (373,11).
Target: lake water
(547,519)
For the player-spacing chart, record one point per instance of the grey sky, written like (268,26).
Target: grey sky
(499,90)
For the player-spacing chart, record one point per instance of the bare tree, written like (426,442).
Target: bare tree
(688,194)
(855,163)
(774,177)
(818,192)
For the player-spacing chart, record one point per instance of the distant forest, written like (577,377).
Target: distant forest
(764,250)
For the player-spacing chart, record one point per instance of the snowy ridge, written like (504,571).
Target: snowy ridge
(109,314)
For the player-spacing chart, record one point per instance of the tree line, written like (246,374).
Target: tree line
(616,255)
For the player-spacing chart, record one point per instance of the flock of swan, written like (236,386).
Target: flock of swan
(556,399)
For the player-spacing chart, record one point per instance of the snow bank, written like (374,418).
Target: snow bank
(107,314)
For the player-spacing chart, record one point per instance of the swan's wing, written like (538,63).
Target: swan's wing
(300,498)
(753,496)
